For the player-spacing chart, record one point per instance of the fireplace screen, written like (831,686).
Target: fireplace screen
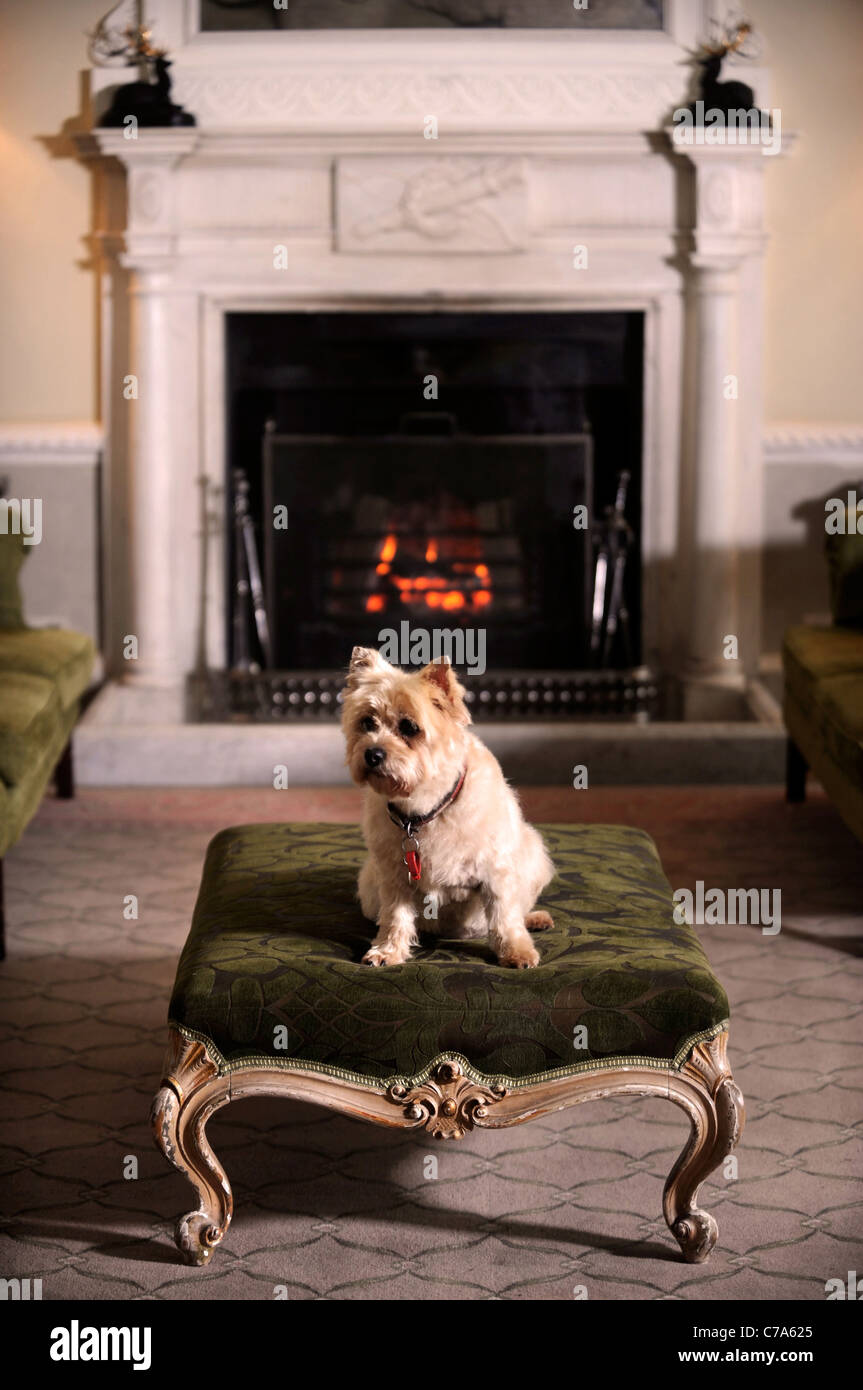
(436,532)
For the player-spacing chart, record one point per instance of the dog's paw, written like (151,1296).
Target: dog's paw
(520,957)
(538,921)
(384,955)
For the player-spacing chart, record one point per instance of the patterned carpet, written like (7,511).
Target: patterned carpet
(331,1208)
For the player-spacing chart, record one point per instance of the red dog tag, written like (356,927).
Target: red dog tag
(414,863)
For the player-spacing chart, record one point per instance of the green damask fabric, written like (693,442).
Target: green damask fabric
(30,715)
(277,939)
(55,653)
(834,727)
(20,802)
(813,654)
(13,553)
(823,710)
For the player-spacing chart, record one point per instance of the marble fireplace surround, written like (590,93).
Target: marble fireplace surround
(315,143)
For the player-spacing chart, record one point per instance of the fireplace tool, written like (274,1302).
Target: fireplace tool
(211,524)
(612,537)
(248,590)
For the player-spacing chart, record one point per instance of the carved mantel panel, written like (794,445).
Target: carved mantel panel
(455,204)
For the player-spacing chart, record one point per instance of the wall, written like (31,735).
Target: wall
(814,272)
(815,209)
(58,465)
(814,340)
(47,349)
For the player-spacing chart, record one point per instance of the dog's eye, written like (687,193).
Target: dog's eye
(369,723)
(408,728)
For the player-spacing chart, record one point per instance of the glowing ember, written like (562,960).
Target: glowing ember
(426,570)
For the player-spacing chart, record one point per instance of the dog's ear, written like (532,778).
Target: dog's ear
(442,678)
(364,661)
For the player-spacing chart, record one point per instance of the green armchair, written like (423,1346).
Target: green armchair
(823,696)
(43,674)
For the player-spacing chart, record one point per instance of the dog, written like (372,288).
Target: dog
(448,846)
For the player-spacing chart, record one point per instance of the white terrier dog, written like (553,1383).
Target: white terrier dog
(440,822)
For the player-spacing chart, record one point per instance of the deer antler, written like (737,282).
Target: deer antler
(731,44)
(739,37)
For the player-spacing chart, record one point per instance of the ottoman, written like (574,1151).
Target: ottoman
(271,999)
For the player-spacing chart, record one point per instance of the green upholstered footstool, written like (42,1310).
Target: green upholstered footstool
(271,998)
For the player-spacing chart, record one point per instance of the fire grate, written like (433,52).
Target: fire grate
(282,696)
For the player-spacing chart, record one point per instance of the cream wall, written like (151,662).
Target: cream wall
(814,339)
(47,348)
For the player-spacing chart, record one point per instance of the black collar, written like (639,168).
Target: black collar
(413,822)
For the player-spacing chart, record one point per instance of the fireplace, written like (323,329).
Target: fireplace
(551,190)
(427,483)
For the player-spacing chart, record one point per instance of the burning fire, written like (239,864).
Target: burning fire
(435,589)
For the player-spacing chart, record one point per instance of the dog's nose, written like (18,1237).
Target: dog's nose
(374,757)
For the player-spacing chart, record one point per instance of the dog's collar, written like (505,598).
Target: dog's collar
(411,823)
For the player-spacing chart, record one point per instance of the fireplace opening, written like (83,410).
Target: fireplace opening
(447,474)
(446,531)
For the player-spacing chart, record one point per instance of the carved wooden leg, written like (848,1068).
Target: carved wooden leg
(191,1092)
(706,1090)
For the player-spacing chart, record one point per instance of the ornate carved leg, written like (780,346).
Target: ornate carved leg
(707,1092)
(192,1090)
